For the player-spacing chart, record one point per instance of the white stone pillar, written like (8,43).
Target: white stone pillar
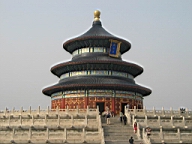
(154,111)
(159,120)
(58,121)
(39,109)
(47,133)
(29,133)
(13,110)
(45,120)
(146,123)
(21,111)
(57,111)
(47,110)
(77,109)
(163,111)
(184,123)
(65,135)
(86,120)
(171,111)
(172,122)
(87,110)
(97,110)
(84,135)
(9,120)
(144,110)
(135,111)
(161,134)
(20,120)
(179,134)
(67,110)
(13,134)
(29,113)
(5,112)
(72,121)
(32,121)
(187,112)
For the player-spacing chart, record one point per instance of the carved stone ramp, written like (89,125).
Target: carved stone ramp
(118,133)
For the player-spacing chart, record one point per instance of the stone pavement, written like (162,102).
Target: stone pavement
(118,133)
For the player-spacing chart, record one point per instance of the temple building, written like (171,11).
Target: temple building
(96,74)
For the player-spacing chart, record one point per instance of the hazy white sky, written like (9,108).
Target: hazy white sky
(32,33)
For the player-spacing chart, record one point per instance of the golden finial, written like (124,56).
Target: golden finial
(97,15)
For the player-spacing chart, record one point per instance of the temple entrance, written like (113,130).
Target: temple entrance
(101,106)
(123,107)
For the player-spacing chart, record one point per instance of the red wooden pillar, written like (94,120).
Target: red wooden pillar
(113,104)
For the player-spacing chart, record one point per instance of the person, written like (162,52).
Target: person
(121,117)
(148,131)
(127,106)
(131,140)
(125,119)
(135,127)
(108,117)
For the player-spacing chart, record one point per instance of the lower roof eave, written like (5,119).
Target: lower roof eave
(135,88)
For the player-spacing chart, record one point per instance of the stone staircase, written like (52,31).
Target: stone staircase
(118,133)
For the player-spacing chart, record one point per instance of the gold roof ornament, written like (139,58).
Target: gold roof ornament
(97,15)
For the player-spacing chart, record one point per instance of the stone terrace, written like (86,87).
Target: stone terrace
(169,126)
(51,126)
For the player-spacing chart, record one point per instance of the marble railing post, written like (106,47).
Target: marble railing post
(47,133)
(5,112)
(13,110)
(154,111)
(87,110)
(172,122)
(57,111)
(32,121)
(184,123)
(20,117)
(29,133)
(29,113)
(128,117)
(97,110)
(45,120)
(146,120)
(58,121)
(9,120)
(86,120)
(47,111)
(138,131)
(38,111)
(72,120)
(133,119)
(21,111)
(144,110)
(13,134)
(65,135)
(187,112)
(84,135)
(161,134)
(135,111)
(67,110)
(179,134)
(159,120)
(171,111)
(179,111)
(102,136)
(163,111)
(77,109)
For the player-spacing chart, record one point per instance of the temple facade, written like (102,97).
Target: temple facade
(96,74)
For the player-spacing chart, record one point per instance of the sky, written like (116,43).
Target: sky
(32,33)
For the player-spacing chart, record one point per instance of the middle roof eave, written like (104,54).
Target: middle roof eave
(121,66)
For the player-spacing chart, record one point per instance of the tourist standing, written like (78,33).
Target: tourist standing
(131,140)
(108,117)
(121,117)
(125,119)
(135,127)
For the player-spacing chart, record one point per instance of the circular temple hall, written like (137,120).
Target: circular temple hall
(96,74)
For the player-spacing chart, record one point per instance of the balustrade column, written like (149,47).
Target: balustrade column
(39,109)
(65,135)
(48,110)
(21,111)
(84,135)
(144,110)
(86,121)
(72,120)
(29,133)
(154,111)
(161,134)
(146,120)
(171,111)
(13,134)
(47,133)
(77,109)
(45,120)
(135,111)
(179,134)
(163,111)
(159,120)
(87,110)
(9,120)
(172,122)
(29,111)
(67,110)
(58,120)
(184,123)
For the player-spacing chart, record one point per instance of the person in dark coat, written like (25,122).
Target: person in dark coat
(131,140)
(125,119)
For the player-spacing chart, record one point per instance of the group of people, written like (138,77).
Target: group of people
(123,118)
